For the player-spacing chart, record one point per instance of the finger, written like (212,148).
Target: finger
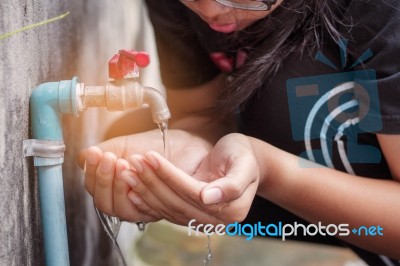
(103,194)
(137,192)
(142,206)
(117,145)
(180,182)
(120,189)
(123,206)
(93,157)
(162,197)
(186,186)
(240,174)
(120,166)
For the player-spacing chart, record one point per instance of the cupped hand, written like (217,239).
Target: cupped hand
(220,190)
(104,163)
(180,142)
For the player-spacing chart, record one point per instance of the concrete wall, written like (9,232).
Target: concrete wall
(79,44)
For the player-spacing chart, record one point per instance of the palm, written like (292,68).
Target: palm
(186,150)
(219,160)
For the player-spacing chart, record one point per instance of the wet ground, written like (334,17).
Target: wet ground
(163,244)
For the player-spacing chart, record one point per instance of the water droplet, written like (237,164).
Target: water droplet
(141,226)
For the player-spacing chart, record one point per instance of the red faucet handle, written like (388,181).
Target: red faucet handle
(126,64)
(142,59)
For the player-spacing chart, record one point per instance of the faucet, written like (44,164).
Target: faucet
(122,92)
(48,102)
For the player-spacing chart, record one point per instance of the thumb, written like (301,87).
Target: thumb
(240,175)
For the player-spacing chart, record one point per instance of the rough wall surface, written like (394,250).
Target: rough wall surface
(78,44)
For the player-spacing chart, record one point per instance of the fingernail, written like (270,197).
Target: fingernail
(128,177)
(135,200)
(152,161)
(137,165)
(84,166)
(121,165)
(212,195)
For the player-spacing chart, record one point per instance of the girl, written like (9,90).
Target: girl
(311,90)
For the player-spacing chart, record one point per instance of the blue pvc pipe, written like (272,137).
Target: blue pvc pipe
(53,215)
(47,103)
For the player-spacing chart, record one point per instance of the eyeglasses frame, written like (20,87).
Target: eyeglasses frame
(268,4)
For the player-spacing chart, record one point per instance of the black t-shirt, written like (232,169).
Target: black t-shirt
(325,105)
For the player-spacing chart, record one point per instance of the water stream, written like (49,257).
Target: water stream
(167,154)
(164,133)
(112,224)
(208,259)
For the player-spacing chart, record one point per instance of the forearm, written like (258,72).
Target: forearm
(320,194)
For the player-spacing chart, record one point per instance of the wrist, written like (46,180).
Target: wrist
(271,166)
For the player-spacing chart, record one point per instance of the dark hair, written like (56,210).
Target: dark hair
(296,26)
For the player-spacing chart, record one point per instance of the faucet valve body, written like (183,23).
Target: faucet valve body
(123,94)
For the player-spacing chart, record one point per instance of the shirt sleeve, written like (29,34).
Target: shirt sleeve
(374,45)
(183,61)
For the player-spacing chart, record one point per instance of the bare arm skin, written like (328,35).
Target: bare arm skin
(326,195)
